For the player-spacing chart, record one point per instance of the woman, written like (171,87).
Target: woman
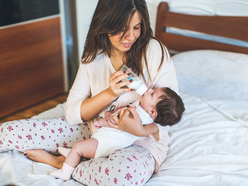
(119,33)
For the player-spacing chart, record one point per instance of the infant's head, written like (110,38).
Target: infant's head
(163,105)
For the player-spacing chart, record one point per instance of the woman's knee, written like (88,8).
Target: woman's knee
(132,165)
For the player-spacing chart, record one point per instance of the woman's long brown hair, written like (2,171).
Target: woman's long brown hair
(110,17)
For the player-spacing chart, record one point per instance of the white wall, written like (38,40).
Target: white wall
(85,10)
(62,24)
(152,9)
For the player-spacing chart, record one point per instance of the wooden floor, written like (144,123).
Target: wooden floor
(36,109)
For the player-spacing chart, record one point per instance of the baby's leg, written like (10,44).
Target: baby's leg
(64,151)
(86,148)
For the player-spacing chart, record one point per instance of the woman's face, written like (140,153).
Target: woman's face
(132,34)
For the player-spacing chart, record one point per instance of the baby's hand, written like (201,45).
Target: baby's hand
(96,125)
(108,113)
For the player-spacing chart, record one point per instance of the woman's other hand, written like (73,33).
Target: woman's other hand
(128,120)
(116,86)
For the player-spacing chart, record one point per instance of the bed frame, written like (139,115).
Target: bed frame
(234,27)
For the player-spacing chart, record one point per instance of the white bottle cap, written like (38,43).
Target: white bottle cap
(142,89)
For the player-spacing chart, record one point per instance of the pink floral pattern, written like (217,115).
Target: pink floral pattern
(41,133)
(135,167)
(130,166)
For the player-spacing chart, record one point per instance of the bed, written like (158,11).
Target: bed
(209,146)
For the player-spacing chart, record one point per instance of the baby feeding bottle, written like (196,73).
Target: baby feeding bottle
(136,84)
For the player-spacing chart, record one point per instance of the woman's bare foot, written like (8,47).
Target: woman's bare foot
(42,156)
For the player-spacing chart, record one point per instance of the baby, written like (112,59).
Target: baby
(161,106)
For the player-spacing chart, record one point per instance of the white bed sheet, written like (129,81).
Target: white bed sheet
(208,147)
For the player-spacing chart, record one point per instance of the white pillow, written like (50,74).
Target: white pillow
(212,74)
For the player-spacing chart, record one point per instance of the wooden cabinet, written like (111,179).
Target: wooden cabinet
(31,62)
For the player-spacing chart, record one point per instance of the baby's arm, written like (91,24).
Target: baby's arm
(156,135)
(151,129)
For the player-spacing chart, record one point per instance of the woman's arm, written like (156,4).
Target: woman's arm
(80,106)
(91,106)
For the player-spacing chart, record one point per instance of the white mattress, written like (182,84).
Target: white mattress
(208,147)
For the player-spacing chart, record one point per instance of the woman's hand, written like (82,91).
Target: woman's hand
(128,120)
(92,106)
(116,86)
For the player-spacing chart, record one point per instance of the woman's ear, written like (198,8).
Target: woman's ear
(153,113)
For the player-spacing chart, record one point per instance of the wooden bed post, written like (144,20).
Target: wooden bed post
(162,8)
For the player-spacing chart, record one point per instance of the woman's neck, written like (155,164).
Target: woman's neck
(117,59)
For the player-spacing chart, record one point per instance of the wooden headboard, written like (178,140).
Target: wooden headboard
(234,27)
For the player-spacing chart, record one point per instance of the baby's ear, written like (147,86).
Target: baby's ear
(153,113)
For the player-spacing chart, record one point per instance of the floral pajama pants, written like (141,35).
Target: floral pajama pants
(133,165)
(47,134)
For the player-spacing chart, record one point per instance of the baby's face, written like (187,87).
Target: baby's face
(150,98)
